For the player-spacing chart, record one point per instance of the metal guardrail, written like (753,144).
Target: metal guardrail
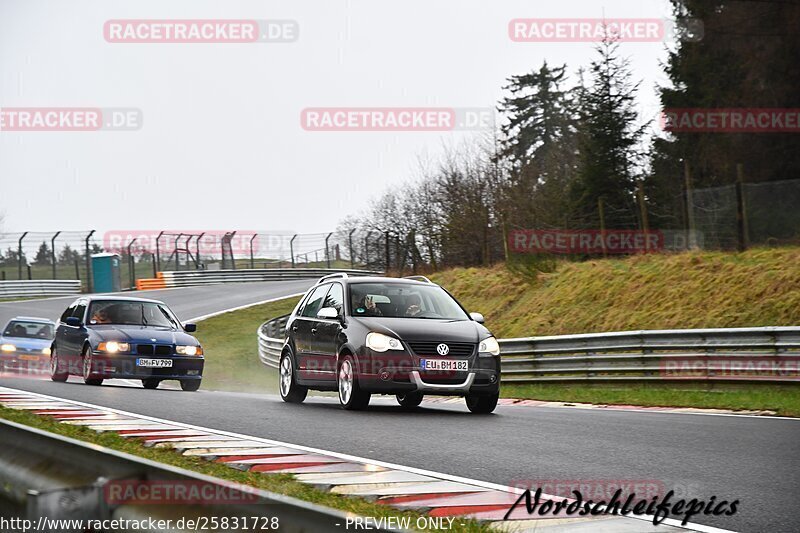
(198,277)
(38,287)
(270,340)
(765,354)
(44,475)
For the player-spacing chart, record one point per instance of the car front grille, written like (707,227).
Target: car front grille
(154,349)
(428,349)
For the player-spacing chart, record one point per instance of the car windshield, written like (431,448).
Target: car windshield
(29,330)
(401,300)
(131,314)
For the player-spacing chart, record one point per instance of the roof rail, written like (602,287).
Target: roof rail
(332,276)
(418,278)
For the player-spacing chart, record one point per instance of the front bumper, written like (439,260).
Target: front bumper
(398,374)
(24,362)
(124,366)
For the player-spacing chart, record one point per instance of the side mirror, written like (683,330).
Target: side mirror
(328,312)
(190,328)
(74,321)
(477,317)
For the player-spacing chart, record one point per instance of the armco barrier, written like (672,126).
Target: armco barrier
(39,287)
(48,476)
(202,277)
(765,354)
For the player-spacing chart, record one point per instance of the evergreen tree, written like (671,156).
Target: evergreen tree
(609,138)
(43,255)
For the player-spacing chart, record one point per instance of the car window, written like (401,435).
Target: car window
(80,310)
(335,298)
(28,330)
(131,313)
(401,300)
(314,303)
(68,311)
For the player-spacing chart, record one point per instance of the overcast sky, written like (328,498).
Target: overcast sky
(221,144)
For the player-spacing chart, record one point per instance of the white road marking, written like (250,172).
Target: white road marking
(347,457)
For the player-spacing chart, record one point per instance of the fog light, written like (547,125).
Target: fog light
(493,379)
(385,375)
(192,372)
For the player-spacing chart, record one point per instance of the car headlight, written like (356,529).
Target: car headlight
(380,342)
(46,351)
(113,347)
(189,350)
(489,346)
(8,348)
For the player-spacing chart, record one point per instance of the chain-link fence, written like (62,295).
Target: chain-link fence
(67,254)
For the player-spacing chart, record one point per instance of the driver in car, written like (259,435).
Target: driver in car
(414,303)
(101,317)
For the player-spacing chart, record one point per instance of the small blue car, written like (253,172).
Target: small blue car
(25,344)
(105,337)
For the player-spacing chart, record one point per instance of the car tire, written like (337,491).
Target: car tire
(482,404)
(351,397)
(291,391)
(409,400)
(56,367)
(190,385)
(89,377)
(151,383)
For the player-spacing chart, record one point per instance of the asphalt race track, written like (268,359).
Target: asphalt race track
(188,302)
(752,459)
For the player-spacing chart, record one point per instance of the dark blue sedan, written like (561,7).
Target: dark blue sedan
(105,337)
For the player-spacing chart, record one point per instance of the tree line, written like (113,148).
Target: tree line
(573,152)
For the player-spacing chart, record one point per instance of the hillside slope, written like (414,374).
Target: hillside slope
(691,290)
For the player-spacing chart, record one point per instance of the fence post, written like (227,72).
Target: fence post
(350,242)
(643,212)
(601,210)
(388,255)
(366,247)
(53,252)
(157,256)
(327,250)
(30,276)
(291,248)
(89,283)
(131,265)
(741,211)
(687,176)
(252,259)
(197,263)
(77,270)
(20,256)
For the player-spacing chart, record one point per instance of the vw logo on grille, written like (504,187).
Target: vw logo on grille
(443,349)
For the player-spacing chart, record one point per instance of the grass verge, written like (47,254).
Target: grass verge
(783,399)
(278,483)
(759,287)
(231,347)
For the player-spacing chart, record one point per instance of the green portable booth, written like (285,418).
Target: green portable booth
(105,273)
